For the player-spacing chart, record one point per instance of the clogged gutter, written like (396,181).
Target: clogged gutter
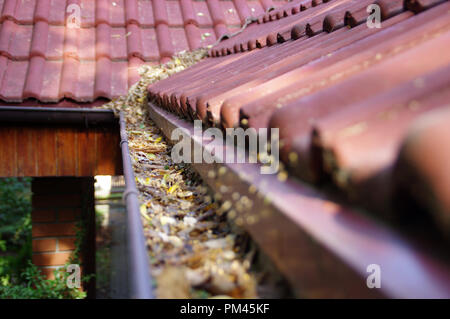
(193,252)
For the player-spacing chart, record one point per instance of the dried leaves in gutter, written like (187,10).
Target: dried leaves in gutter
(192,250)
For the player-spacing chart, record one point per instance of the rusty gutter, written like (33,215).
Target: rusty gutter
(138,263)
(323,248)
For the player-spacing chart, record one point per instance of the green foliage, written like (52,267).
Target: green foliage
(15,210)
(31,284)
(15,227)
(19,278)
(34,286)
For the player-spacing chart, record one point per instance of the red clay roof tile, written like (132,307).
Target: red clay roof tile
(50,82)
(145,11)
(33,85)
(343,95)
(56,12)
(364,138)
(118,31)
(131,12)
(160,12)
(230,13)
(423,179)
(14,80)
(216,12)
(150,49)
(55,42)
(174,14)
(188,12)
(202,13)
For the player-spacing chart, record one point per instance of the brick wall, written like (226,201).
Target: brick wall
(58,203)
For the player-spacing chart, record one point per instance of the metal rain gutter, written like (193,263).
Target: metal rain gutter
(298,223)
(53,115)
(138,264)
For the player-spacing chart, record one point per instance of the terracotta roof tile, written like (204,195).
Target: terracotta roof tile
(420,178)
(14,80)
(201,11)
(364,137)
(230,13)
(343,95)
(56,12)
(145,11)
(55,41)
(174,14)
(113,34)
(48,89)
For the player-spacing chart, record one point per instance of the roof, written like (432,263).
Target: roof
(343,95)
(42,59)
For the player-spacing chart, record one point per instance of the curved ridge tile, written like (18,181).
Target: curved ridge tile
(102,86)
(193,36)
(418,6)
(220,30)
(119,82)
(21,42)
(179,41)
(134,41)
(217,15)
(118,43)
(242,9)
(174,15)
(25,11)
(103,40)
(267,4)
(87,45)
(88,13)
(188,12)
(281,21)
(102,13)
(15,40)
(133,65)
(230,12)
(165,45)
(390,8)
(13,81)
(71,41)
(150,51)
(256,8)
(202,14)
(3,66)
(117,13)
(50,84)
(55,42)
(6,32)
(68,76)
(42,11)
(33,82)
(9,9)
(57,13)
(131,12)
(160,12)
(145,10)
(85,82)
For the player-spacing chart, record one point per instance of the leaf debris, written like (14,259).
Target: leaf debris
(192,250)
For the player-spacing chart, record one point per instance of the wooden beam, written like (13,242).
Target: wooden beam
(39,151)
